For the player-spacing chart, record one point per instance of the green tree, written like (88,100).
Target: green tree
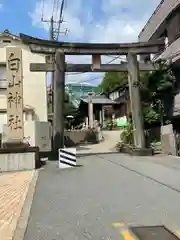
(157,93)
(156,89)
(113,80)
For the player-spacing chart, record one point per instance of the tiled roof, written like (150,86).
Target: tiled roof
(6,33)
(99,99)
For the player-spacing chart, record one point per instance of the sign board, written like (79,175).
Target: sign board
(67,157)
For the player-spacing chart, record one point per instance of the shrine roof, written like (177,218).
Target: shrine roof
(7,33)
(99,99)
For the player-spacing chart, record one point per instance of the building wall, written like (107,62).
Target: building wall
(155,25)
(34,84)
(165,22)
(172,51)
(173,26)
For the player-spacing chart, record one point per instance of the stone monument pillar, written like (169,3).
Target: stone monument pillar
(168,141)
(15,123)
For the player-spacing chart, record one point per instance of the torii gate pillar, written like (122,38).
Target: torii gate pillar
(133,80)
(58,100)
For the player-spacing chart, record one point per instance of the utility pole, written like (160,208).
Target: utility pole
(57,84)
(58,89)
(52,29)
(53,59)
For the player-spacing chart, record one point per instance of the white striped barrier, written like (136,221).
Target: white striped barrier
(67,158)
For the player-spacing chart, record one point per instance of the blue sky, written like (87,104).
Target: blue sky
(87,21)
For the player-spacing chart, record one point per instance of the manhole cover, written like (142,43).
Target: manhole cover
(153,233)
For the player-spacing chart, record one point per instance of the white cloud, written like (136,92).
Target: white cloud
(110,21)
(71,17)
(116,30)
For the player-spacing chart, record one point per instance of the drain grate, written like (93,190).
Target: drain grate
(153,233)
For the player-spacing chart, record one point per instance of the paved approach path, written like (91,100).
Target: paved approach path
(111,138)
(83,203)
(13,190)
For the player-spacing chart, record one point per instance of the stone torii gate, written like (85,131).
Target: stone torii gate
(96,50)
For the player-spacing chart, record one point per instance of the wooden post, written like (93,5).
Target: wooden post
(103,117)
(96,62)
(15,122)
(100,115)
(58,101)
(133,80)
(90,110)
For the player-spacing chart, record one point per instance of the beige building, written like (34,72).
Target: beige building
(165,22)
(34,84)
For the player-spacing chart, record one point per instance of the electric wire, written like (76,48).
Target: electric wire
(42,13)
(56,14)
(60,19)
(54,7)
(78,73)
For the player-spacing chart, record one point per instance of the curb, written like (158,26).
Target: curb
(97,153)
(23,220)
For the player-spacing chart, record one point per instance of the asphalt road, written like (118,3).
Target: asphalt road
(83,203)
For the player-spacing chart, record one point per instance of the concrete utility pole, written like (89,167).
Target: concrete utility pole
(58,101)
(52,29)
(133,80)
(53,58)
(58,86)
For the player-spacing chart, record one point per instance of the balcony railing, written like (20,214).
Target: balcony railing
(171,52)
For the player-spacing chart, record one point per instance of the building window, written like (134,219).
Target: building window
(6,41)
(3,82)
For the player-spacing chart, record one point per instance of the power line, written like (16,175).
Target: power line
(54,4)
(95,78)
(42,14)
(89,80)
(72,74)
(57,7)
(55,22)
(60,19)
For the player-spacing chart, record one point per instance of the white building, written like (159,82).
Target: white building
(34,83)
